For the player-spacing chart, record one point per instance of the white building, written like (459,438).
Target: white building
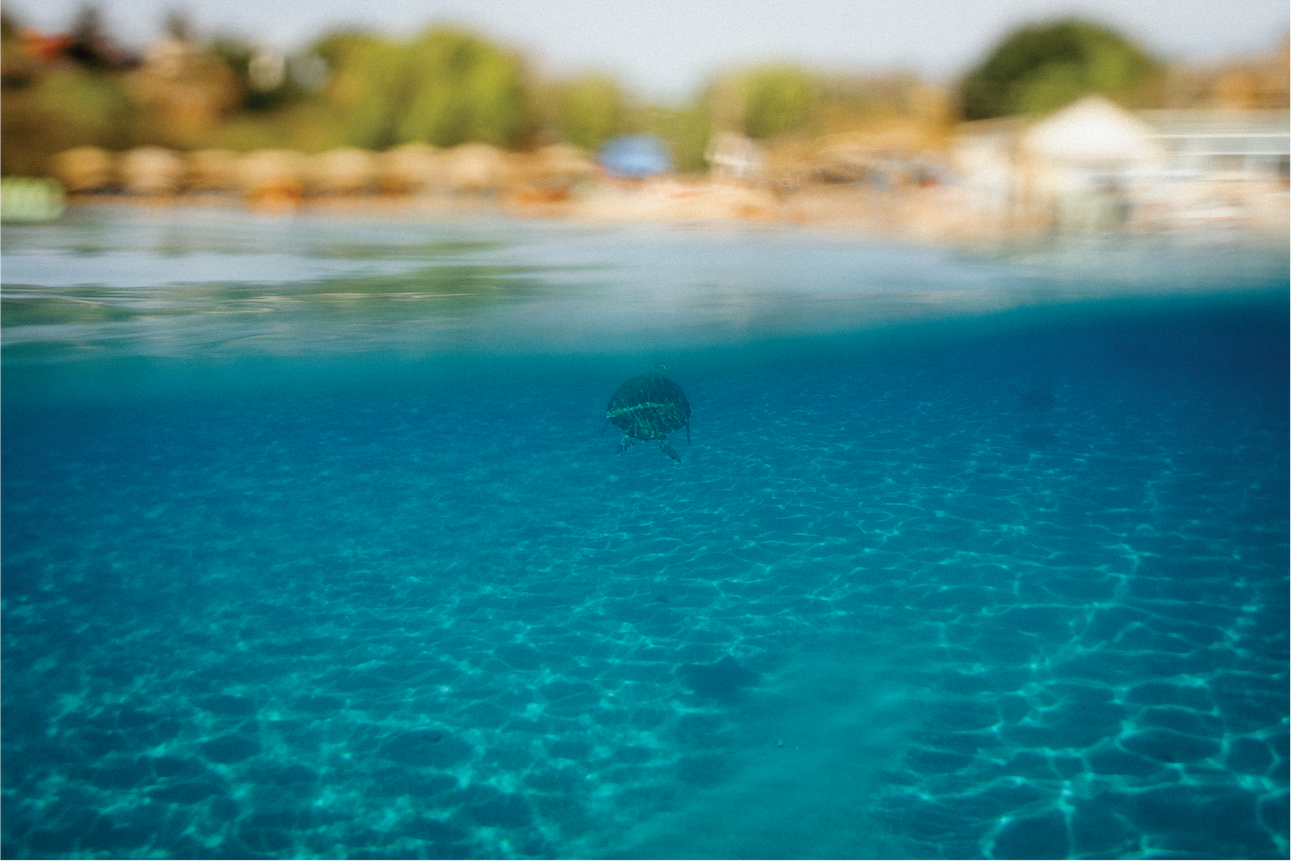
(1225,166)
(1094,166)
(1226,144)
(735,157)
(1091,165)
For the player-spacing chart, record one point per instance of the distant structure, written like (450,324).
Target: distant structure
(1239,145)
(735,157)
(1223,166)
(1094,166)
(1088,164)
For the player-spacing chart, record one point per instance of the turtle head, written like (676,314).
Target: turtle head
(659,369)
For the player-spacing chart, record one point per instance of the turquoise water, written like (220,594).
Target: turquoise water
(315,544)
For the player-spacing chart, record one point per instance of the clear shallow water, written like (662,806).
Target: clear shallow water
(312,545)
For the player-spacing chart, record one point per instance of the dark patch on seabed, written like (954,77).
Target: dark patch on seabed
(885,606)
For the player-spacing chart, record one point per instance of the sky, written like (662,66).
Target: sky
(668,48)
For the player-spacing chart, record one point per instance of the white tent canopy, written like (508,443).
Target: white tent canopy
(1093,128)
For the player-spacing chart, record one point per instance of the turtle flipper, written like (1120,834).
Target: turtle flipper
(626,441)
(669,450)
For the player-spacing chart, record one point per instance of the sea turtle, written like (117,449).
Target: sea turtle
(648,407)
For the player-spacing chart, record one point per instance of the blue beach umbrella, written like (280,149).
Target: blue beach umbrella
(634,156)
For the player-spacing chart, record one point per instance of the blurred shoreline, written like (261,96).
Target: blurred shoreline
(1067,128)
(1090,168)
(947,215)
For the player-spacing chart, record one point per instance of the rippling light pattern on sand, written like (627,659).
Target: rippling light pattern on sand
(361,600)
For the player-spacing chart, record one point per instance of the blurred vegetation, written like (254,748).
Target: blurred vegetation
(350,88)
(850,102)
(686,129)
(1258,82)
(1041,68)
(87,45)
(443,88)
(776,99)
(461,88)
(45,108)
(446,87)
(781,100)
(261,88)
(368,89)
(589,109)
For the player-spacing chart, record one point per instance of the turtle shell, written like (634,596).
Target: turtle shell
(649,406)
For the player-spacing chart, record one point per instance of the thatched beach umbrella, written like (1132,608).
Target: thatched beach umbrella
(84,169)
(213,170)
(415,169)
(550,173)
(272,179)
(477,168)
(152,171)
(341,171)
(564,164)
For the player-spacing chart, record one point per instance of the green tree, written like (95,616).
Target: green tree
(461,88)
(90,47)
(51,106)
(62,109)
(590,109)
(776,99)
(685,128)
(367,89)
(239,56)
(1043,67)
(445,88)
(8,29)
